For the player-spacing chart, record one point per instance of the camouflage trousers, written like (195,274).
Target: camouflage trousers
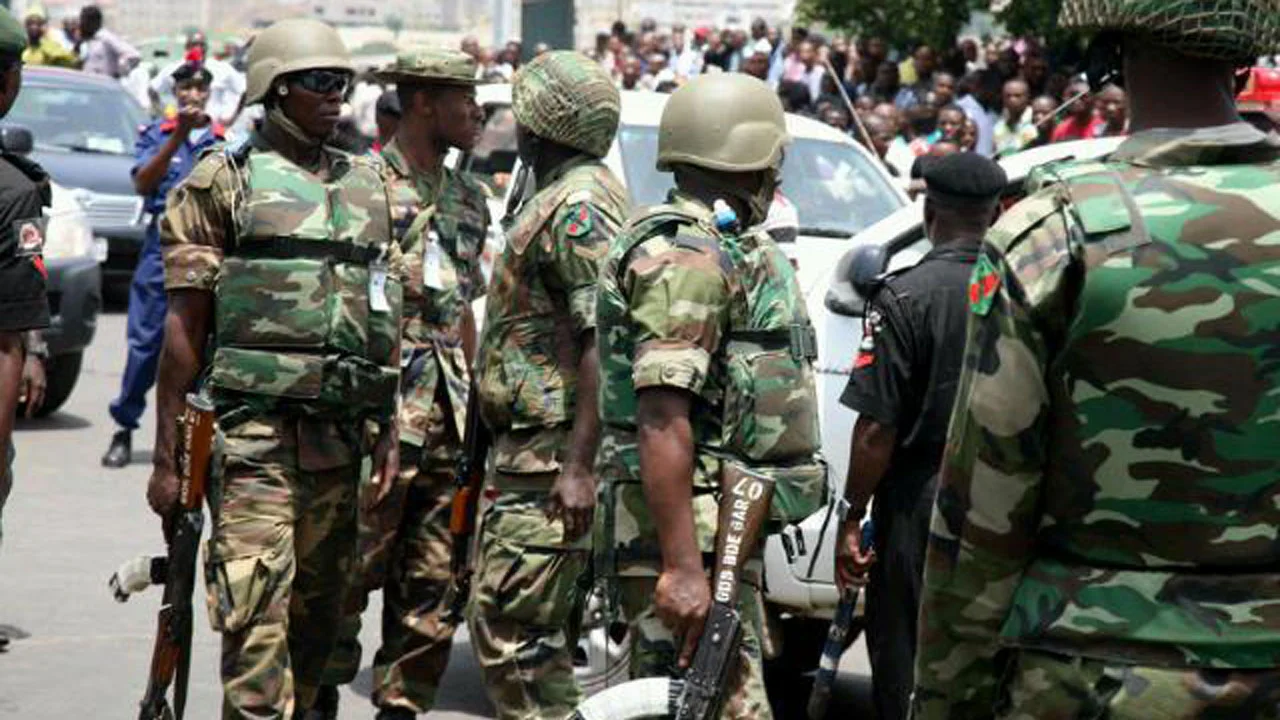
(1046,686)
(405,550)
(529,591)
(279,557)
(654,649)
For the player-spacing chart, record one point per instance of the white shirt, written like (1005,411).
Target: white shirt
(225,88)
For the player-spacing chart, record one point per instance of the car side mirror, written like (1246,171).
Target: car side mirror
(865,269)
(16,140)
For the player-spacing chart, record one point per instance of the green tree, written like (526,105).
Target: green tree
(395,24)
(900,22)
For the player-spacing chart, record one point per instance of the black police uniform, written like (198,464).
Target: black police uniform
(905,376)
(24,193)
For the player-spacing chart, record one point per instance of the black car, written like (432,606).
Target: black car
(84,128)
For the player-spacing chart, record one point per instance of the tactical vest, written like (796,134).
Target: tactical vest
(300,323)
(1157,546)
(763,411)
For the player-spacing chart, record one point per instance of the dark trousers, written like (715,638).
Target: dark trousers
(893,594)
(147,306)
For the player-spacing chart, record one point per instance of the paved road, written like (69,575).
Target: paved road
(69,523)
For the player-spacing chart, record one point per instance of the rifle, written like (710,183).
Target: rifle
(700,695)
(469,484)
(171,656)
(841,633)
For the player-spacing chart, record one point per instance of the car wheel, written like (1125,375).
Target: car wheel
(62,372)
(603,656)
(788,678)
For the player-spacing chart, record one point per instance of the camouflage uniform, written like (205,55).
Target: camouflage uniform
(440,223)
(254,229)
(1103,543)
(528,594)
(676,299)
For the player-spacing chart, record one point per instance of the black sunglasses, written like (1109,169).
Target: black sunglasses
(322,82)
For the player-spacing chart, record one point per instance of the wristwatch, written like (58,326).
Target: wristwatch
(843,506)
(36,346)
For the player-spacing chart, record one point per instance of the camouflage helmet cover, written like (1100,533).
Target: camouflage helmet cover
(565,97)
(729,122)
(290,46)
(1232,30)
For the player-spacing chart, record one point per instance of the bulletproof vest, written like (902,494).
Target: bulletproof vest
(1162,476)
(760,407)
(307,313)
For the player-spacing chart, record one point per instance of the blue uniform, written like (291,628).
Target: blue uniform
(147,304)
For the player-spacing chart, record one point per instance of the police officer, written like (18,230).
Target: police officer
(1103,539)
(537,372)
(440,220)
(705,360)
(24,193)
(903,386)
(281,246)
(166,151)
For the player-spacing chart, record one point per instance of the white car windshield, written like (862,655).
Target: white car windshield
(80,117)
(836,191)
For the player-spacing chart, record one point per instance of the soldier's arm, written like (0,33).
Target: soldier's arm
(987,510)
(191,237)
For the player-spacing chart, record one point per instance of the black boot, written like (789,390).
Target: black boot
(395,713)
(4,642)
(121,450)
(325,706)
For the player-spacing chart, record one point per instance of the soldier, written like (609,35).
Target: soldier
(1103,543)
(705,359)
(281,246)
(24,193)
(902,387)
(537,372)
(440,218)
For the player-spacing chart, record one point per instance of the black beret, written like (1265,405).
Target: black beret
(388,103)
(192,71)
(964,177)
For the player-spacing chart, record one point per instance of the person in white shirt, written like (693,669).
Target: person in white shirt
(686,56)
(224,92)
(102,52)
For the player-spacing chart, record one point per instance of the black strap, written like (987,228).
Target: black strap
(289,247)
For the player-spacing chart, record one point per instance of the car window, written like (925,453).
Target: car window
(836,191)
(79,117)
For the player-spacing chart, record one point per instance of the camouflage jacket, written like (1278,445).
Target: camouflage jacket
(542,299)
(1111,482)
(440,225)
(678,302)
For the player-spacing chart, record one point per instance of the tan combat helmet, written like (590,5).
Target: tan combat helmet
(290,46)
(729,122)
(1232,30)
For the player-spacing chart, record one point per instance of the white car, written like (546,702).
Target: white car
(838,190)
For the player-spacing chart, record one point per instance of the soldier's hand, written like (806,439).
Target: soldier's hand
(386,466)
(852,563)
(162,491)
(573,501)
(33,384)
(682,601)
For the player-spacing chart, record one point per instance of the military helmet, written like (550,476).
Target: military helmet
(1232,30)
(290,46)
(728,121)
(566,97)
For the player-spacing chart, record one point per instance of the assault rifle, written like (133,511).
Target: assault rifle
(700,694)
(171,656)
(466,503)
(845,627)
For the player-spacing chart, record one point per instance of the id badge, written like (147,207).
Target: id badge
(378,288)
(431,263)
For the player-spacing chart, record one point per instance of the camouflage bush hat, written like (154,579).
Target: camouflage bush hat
(445,67)
(1233,30)
(566,97)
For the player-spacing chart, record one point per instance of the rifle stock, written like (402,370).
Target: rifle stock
(744,507)
(171,655)
(466,502)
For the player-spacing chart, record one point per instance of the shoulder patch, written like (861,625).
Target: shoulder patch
(206,170)
(983,285)
(579,220)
